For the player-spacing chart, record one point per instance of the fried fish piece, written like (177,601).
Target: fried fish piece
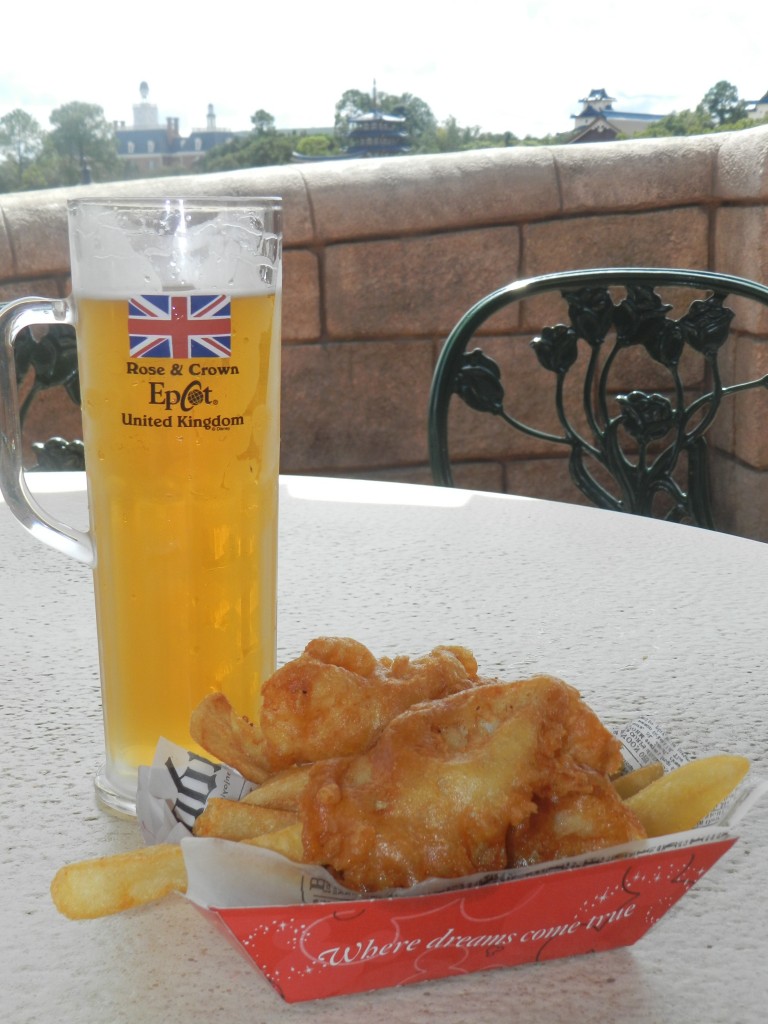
(336,697)
(331,701)
(437,792)
(230,737)
(586,814)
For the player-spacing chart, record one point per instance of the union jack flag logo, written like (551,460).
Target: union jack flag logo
(180,326)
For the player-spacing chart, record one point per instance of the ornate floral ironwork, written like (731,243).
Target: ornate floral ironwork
(646,417)
(53,363)
(478,382)
(640,447)
(556,348)
(52,359)
(58,454)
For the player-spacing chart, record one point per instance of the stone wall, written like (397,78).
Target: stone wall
(383,256)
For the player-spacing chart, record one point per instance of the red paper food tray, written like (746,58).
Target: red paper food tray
(329,949)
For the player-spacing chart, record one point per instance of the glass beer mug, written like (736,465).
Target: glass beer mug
(176,306)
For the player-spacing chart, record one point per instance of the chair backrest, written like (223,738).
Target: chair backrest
(633,449)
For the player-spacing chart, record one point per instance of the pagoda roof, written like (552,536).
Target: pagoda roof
(617,115)
(599,95)
(375,115)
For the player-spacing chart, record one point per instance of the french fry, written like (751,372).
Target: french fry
(286,841)
(233,819)
(282,790)
(681,798)
(108,885)
(631,783)
(227,736)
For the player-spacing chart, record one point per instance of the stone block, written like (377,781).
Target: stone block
(741,249)
(414,286)
(636,174)
(37,232)
(664,238)
(301,296)
(420,194)
(354,405)
(47,287)
(741,168)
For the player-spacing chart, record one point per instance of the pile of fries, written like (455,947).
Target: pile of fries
(307,695)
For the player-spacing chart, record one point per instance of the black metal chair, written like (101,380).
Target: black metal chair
(629,449)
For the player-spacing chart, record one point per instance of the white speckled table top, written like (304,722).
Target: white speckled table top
(641,616)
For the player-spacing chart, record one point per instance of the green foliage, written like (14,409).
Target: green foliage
(263,147)
(316,145)
(745,122)
(684,122)
(722,105)
(450,137)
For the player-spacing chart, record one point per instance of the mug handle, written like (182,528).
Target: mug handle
(13,318)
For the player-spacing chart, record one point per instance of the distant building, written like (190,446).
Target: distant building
(599,122)
(152,147)
(377,134)
(758,109)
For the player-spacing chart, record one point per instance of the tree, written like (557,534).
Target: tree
(263,123)
(722,104)
(81,139)
(21,139)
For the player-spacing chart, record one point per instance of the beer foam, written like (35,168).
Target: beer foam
(123,249)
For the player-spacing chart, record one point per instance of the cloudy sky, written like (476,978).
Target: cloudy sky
(514,66)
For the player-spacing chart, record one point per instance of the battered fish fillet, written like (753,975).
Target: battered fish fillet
(445,782)
(331,701)
(335,698)
(589,816)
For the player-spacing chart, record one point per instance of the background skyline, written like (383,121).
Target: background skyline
(523,70)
